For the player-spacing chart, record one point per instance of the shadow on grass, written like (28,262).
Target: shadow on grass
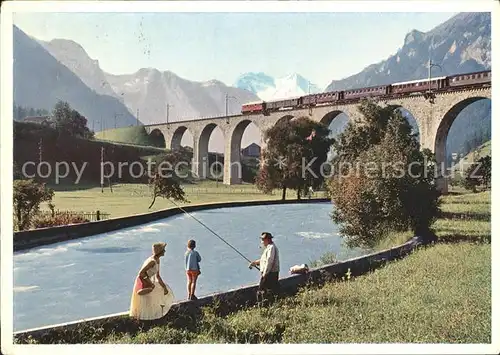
(71,186)
(460,238)
(466,216)
(454,193)
(465,202)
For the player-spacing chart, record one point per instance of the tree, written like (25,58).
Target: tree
(166,187)
(478,174)
(291,160)
(485,170)
(167,175)
(382,182)
(70,122)
(22,112)
(28,195)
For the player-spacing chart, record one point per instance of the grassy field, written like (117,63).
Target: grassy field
(438,294)
(130,199)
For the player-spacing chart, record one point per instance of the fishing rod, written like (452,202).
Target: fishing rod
(218,236)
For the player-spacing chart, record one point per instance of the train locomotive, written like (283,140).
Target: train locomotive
(414,87)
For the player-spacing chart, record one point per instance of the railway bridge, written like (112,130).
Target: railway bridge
(434,119)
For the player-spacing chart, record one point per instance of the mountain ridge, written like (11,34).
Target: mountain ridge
(147,91)
(42,85)
(461,44)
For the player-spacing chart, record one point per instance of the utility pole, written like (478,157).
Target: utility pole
(109,179)
(430,94)
(309,91)
(227,99)
(168,111)
(40,147)
(116,115)
(102,164)
(217,173)
(102,130)
(137,116)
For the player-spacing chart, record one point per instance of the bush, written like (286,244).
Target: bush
(27,197)
(58,220)
(383,183)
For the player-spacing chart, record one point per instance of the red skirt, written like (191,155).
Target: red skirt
(138,284)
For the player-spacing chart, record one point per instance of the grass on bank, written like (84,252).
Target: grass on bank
(131,199)
(465,216)
(438,294)
(135,135)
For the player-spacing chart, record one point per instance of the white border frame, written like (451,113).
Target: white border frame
(8,8)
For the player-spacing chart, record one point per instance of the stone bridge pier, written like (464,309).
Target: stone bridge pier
(435,119)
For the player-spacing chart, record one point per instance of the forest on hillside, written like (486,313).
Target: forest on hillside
(21,112)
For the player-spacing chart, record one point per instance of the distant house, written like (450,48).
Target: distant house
(42,120)
(253,150)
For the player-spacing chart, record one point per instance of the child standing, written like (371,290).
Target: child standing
(193,259)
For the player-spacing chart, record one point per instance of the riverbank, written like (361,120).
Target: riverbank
(133,199)
(440,293)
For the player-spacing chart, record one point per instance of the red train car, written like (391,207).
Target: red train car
(470,79)
(252,107)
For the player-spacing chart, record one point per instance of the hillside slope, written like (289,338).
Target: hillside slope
(480,152)
(82,153)
(40,81)
(130,135)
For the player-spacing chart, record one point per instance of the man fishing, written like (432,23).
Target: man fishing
(269,264)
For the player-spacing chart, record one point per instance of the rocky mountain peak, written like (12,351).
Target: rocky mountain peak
(413,36)
(460,45)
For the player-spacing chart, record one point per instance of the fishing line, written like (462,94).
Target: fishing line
(218,236)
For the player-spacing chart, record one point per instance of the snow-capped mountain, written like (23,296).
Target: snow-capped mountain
(269,88)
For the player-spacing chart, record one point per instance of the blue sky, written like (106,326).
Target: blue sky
(204,46)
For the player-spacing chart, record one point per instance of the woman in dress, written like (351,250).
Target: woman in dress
(151,297)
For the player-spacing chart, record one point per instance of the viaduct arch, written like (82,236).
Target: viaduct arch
(433,119)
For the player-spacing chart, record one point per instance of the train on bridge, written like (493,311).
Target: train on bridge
(415,87)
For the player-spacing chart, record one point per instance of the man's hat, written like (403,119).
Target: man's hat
(265,235)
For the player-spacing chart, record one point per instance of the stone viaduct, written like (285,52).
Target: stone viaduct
(434,120)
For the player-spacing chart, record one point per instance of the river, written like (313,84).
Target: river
(94,276)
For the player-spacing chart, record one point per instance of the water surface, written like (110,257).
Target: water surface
(94,276)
